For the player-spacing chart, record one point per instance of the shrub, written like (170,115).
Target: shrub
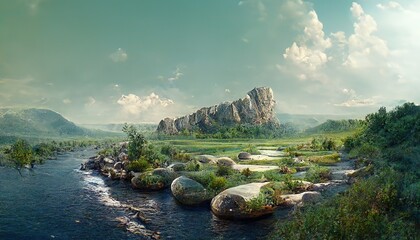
(217,183)
(193,165)
(223,170)
(317,174)
(203,177)
(370,209)
(246,172)
(291,185)
(140,165)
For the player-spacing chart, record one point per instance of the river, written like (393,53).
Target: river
(57,201)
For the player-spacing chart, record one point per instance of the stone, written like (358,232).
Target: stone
(178,166)
(301,198)
(225,161)
(254,168)
(232,202)
(256,108)
(207,159)
(157,179)
(118,166)
(244,156)
(188,191)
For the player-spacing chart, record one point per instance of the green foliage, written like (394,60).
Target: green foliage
(252,149)
(21,154)
(246,172)
(324,159)
(336,126)
(269,196)
(193,165)
(137,142)
(317,174)
(223,170)
(393,136)
(217,183)
(323,144)
(291,185)
(375,208)
(140,165)
(203,177)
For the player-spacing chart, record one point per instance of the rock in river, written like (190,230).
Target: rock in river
(188,191)
(157,179)
(232,203)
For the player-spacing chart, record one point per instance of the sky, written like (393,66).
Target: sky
(110,61)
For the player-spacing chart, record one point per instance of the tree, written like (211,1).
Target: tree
(21,154)
(137,142)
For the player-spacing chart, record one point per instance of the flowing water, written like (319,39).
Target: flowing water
(57,201)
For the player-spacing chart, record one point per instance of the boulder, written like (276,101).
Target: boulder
(157,179)
(225,161)
(178,166)
(207,159)
(118,166)
(232,203)
(188,191)
(244,156)
(301,198)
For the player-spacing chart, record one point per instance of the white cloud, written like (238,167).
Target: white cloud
(66,101)
(227,90)
(119,56)
(245,40)
(240,3)
(365,49)
(177,74)
(134,104)
(357,103)
(391,5)
(309,54)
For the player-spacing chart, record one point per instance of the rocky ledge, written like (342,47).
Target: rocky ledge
(256,108)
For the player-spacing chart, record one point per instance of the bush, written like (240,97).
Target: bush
(317,174)
(140,165)
(223,170)
(371,209)
(217,183)
(246,172)
(203,177)
(193,165)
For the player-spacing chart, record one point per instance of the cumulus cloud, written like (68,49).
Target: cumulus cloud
(365,49)
(391,5)
(134,104)
(119,56)
(176,75)
(310,52)
(227,90)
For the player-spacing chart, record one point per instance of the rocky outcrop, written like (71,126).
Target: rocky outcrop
(256,108)
(188,191)
(232,203)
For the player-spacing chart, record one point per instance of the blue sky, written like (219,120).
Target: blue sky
(139,61)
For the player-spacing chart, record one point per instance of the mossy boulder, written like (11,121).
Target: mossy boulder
(207,159)
(244,156)
(157,179)
(188,191)
(225,161)
(233,203)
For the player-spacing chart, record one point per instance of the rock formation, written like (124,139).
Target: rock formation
(256,108)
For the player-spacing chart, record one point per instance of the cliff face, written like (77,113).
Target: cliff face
(256,108)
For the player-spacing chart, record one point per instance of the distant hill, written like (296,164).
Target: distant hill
(306,121)
(39,123)
(117,127)
(336,126)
